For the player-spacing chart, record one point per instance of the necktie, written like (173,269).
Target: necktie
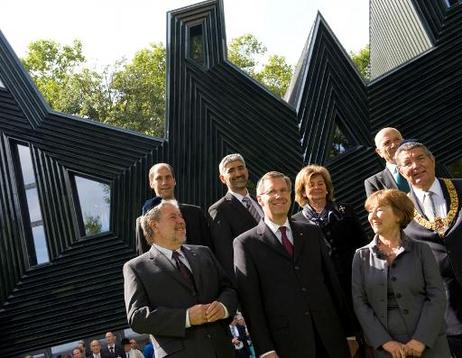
(184,270)
(111,349)
(248,204)
(286,242)
(401,182)
(429,205)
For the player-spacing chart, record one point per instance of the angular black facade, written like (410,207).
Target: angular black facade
(213,109)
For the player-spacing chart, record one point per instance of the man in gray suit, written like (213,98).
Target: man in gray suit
(438,222)
(178,293)
(387,140)
(234,213)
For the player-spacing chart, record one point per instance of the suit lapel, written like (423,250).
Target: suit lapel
(299,239)
(267,237)
(237,205)
(193,260)
(161,261)
(388,179)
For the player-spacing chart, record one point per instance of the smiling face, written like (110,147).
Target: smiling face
(235,175)
(417,167)
(316,189)
(170,228)
(162,181)
(274,198)
(387,142)
(383,220)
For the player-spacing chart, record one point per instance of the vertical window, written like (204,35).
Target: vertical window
(33,205)
(196,44)
(94,205)
(1,84)
(339,143)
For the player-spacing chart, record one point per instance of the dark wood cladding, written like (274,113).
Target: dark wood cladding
(213,109)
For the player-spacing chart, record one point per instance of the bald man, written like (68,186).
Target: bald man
(162,181)
(387,141)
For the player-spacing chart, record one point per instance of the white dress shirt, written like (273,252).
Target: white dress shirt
(275,229)
(439,201)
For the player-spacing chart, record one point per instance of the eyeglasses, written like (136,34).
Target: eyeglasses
(275,192)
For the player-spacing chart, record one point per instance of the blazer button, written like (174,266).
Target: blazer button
(405,311)
(303,289)
(209,336)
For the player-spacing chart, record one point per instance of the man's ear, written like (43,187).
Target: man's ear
(222,179)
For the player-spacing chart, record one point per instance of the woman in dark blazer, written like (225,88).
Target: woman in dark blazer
(398,293)
(342,231)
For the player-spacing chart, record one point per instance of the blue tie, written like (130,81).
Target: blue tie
(402,183)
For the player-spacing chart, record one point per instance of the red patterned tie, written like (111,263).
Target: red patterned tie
(286,242)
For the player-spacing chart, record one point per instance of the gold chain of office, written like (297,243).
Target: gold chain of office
(441,224)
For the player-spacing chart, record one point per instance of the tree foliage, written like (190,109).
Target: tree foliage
(362,61)
(131,94)
(247,53)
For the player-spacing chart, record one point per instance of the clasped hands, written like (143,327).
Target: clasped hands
(413,348)
(207,313)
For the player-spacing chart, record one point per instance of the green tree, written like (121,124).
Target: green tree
(362,61)
(139,90)
(59,73)
(247,53)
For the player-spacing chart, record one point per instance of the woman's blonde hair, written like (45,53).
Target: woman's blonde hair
(304,176)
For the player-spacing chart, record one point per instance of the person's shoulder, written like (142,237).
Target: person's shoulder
(251,233)
(216,205)
(305,225)
(189,207)
(138,259)
(299,217)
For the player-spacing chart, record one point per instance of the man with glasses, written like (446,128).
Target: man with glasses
(438,222)
(290,295)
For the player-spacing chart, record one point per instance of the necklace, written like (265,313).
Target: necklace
(441,224)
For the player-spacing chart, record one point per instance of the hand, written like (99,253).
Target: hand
(272,355)
(235,341)
(415,348)
(214,311)
(197,315)
(396,349)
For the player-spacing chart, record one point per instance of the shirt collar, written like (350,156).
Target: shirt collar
(167,252)
(392,168)
(435,189)
(239,196)
(275,227)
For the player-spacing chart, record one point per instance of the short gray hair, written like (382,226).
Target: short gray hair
(154,215)
(272,174)
(228,159)
(407,146)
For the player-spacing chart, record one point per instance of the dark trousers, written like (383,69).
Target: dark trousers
(455,345)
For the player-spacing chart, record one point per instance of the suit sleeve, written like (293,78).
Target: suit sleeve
(248,287)
(144,318)
(369,187)
(432,315)
(374,331)
(222,240)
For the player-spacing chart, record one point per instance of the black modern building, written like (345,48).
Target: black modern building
(71,188)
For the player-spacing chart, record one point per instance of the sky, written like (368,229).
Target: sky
(115,29)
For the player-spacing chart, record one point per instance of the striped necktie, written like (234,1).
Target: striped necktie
(252,210)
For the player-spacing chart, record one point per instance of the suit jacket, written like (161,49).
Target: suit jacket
(284,298)
(228,219)
(118,352)
(379,181)
(447,250)
(157,298)
(418,291)
(344,234)
(197,228)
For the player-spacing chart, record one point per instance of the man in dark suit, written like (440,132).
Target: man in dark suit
(162,181)
(178,293)
(387,140)
(234,213)
(112,349)
(290,295)
(438,222)
(96,352)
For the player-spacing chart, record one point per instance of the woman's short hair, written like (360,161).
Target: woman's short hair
(304,176)
(402,206)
